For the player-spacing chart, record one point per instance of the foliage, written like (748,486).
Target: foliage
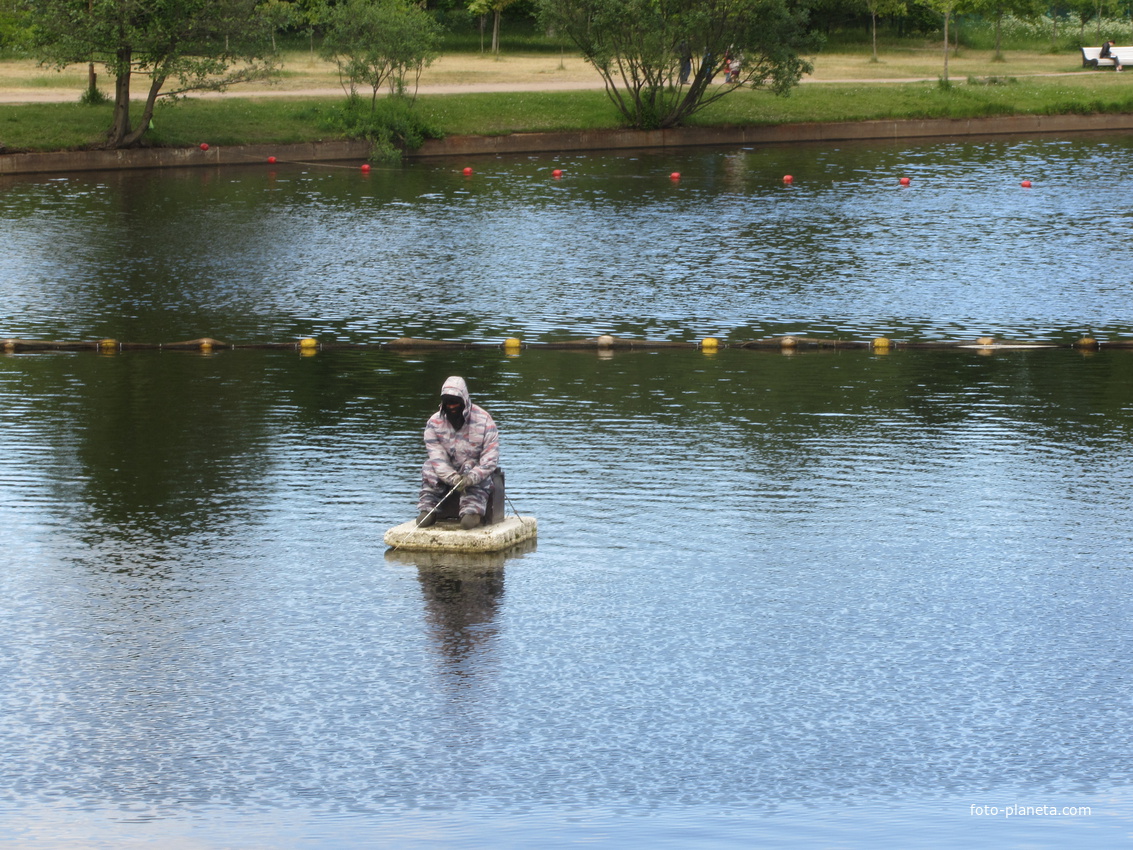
(280,15)
(393,125)
(881,8)
(947,8)
(521,35)
(94,96)
(496,7)
(200,44)
(641,47)
(380,42)
(13,24)
(992,81)
(999,10)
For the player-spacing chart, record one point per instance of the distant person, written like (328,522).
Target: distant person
(1107,53)
(708,67)
(463,449)
(686,61)
(735,62)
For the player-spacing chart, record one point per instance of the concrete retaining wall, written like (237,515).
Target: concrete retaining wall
(782,133)
(553,143)
(72,161)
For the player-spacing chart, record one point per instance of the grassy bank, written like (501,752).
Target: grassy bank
(489,114)
(1032,83)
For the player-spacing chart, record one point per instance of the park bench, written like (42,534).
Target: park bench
(1090,57)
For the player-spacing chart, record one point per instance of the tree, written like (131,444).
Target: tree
(637,46)
(280,15)
(380,42)
(200,44)
(13,21)
(947,8)
(1027,10)
(496,7)
(881,7)
(1085,11)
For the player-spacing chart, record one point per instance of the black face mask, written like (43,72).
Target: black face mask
(454,415)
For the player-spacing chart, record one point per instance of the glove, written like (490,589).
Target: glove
(462,483)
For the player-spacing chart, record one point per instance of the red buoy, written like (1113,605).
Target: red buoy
(468,172)
(365,167)
(905,181)
(676,175)
(788,179)
(1026,184)
(557,173)
(204,146)
(271,160)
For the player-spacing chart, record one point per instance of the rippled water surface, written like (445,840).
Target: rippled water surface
(829,599)
(614,246)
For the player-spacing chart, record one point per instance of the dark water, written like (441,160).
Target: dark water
(828,599)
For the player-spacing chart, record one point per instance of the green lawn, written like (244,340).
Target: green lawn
(235,119)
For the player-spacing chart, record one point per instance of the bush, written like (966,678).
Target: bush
(992,81)
(393,125)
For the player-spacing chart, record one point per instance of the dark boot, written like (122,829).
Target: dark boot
(469,521)
(426,518)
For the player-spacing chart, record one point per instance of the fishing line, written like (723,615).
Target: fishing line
(513,508)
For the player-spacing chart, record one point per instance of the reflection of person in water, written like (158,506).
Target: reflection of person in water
(460,607)
(462,592)
(464,450)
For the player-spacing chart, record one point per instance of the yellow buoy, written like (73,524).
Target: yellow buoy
(1086,342)
(986,340)
(512,344)
(107,345)
(788,342)
(709,343)
(605,341)
(308,344)
(881,344)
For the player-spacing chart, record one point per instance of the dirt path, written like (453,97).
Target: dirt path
(307,76)
(16,96)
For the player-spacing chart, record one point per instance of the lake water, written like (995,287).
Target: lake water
(828,599)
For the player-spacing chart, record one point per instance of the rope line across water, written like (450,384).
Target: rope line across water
(513,345)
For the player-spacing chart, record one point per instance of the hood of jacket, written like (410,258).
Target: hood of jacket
(456,386)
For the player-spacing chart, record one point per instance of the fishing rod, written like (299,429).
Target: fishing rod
(437,505)
(417,523)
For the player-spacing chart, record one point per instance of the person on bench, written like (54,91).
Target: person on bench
(1107,53)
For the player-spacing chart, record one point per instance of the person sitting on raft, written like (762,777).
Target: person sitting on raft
(463,448)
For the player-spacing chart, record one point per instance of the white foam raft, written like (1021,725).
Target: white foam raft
(448,536)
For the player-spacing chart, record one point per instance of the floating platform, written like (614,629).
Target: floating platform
(448,536)
(442,560)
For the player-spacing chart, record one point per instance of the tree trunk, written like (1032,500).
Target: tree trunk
(120,126)
(947,17)
(496,32)
(156,82)
(873,29)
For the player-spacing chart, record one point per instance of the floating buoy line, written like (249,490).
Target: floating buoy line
(513,345)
